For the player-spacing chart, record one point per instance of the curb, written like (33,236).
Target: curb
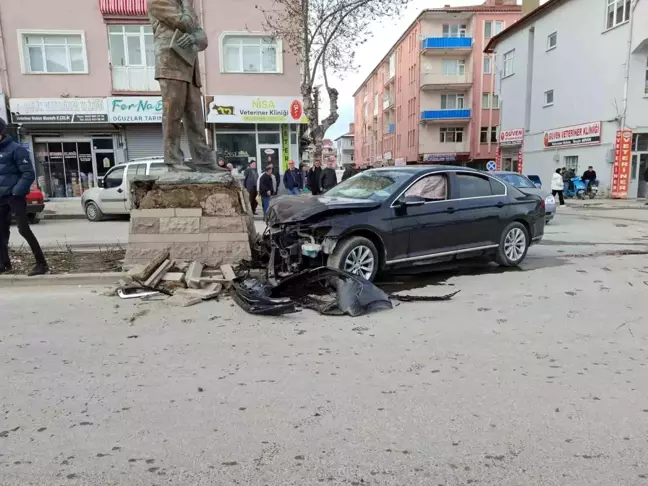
(108,278)
(50,217)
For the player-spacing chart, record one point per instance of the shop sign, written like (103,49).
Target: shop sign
(511,137)
(520,164)
(621,167)
(58,110)
(439,158)
(585,134)
(387,156)
(498,158)
(285,147)
(255,109)
(135,109)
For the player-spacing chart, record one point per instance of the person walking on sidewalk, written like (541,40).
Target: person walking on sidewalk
(16,177)
(314,177)
(250,179)
(267,187)
(558,186)
(328,179)
(292,179)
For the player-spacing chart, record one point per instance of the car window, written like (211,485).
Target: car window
(135,169)
(497,188)
(376,185)
(157,168)
(472,185)
(431,188)
(114,178)
(517,180)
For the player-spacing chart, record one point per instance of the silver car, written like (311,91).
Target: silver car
(525,185)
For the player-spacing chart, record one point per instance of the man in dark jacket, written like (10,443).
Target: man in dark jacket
(16,177)
(267,187)
(329,177)
(589,176)
(250,180)
(350,171)
(292,179)
(314,177)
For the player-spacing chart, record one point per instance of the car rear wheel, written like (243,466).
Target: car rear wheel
(93,213)
(33,218)
(356,255)
(514,245)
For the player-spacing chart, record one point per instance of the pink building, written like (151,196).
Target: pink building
(431,99)
(80,85)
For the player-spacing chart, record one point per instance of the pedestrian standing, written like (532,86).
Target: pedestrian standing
(267,187)
(221,164)
(558,186)
(250,179)
(350,171)
(16,177)
(314,176)
(293,180)
(328,179)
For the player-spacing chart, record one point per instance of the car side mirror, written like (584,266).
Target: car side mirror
(412,201)
(100,182)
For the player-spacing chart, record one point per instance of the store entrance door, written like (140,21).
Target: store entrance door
(269,154)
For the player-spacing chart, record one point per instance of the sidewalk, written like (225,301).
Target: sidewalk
(606,204)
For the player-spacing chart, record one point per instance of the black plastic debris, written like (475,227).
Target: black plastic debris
(253,297)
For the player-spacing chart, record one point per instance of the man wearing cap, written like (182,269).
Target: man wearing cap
(16,177)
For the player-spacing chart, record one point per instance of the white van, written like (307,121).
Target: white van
(112,197)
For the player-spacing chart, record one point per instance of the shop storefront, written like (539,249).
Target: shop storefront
(510,150)
(71,140)
(266,129)
(141,119)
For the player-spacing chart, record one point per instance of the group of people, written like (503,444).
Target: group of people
(564,177)
(316,179)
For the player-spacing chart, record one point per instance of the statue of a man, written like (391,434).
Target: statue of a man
(179,78)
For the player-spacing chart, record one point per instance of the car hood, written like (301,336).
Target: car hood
(296,209)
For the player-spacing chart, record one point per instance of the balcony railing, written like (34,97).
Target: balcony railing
(447,43)
(428,146)
(430,80)
(429,115)
(134,78)
(387,102)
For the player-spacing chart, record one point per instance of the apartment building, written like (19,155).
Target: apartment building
(344,145)
(431,99)
(573,80)
(80,86)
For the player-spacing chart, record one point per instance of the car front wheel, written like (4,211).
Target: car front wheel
(93,213)
(356,255)
(513,246)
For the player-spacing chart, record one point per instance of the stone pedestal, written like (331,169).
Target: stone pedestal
(195,216)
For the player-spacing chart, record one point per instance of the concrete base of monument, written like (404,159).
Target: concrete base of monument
(196,216)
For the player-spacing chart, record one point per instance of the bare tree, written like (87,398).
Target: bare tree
(324,35)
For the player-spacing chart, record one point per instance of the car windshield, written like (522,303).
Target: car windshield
(375,185)
(516,180)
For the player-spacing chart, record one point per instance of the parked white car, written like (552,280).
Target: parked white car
(112,197)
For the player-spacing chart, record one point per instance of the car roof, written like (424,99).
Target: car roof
(142,160)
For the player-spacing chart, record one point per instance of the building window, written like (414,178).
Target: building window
(487,65)
(494,137)
(452,102)
(484,135)
(552,41)
(646,88)
(454,67)
(251,54)
(509,67)
(618,11)
(496,102)
(454,30)
(571,162)
(53,53)
(451,134)
(549,98)
(492,28)
(132,56)
(485,101)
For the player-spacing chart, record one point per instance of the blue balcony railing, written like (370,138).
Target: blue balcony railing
(447,43)
(391,128)
(445,114)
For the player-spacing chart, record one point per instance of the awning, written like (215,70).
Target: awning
(123,7)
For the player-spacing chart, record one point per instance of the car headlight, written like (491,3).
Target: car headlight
(550,200)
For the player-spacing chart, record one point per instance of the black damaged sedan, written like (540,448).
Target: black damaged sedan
(403,217)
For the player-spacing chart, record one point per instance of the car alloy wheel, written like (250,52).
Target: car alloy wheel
(93,213)
(360,261)
(515,245)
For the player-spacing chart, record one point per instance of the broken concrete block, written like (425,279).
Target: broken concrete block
(173,277)
(219,204)
(154,279)
(156,260)
(228,272)
(181,299)
(208,292)
(192,277)
(181,266)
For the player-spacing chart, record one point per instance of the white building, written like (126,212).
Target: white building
(344,148)
(570,74)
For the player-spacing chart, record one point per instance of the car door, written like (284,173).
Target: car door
(132,171)
(478,208)
(426,227)
(113,197)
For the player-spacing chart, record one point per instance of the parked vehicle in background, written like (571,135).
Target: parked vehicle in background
(35,204)
(112,198)
(528,186)
(575,188)
(404,217)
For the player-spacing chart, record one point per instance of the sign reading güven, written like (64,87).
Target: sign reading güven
(585,134)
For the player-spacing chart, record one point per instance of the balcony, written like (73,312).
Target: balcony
(388,103)
(427,146)
(432,116)
(442,82)
(135,79)
(440,46)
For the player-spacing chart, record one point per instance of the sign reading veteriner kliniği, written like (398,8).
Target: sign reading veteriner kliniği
(135,109)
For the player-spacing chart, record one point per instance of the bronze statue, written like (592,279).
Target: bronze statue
(178,39)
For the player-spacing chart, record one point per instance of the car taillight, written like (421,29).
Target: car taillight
(543,204)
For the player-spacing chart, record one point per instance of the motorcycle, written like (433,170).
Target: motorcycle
(592,189)
(575,188)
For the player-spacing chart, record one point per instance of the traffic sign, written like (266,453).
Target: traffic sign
(491,166)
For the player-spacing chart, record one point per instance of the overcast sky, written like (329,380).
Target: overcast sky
(373,51)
